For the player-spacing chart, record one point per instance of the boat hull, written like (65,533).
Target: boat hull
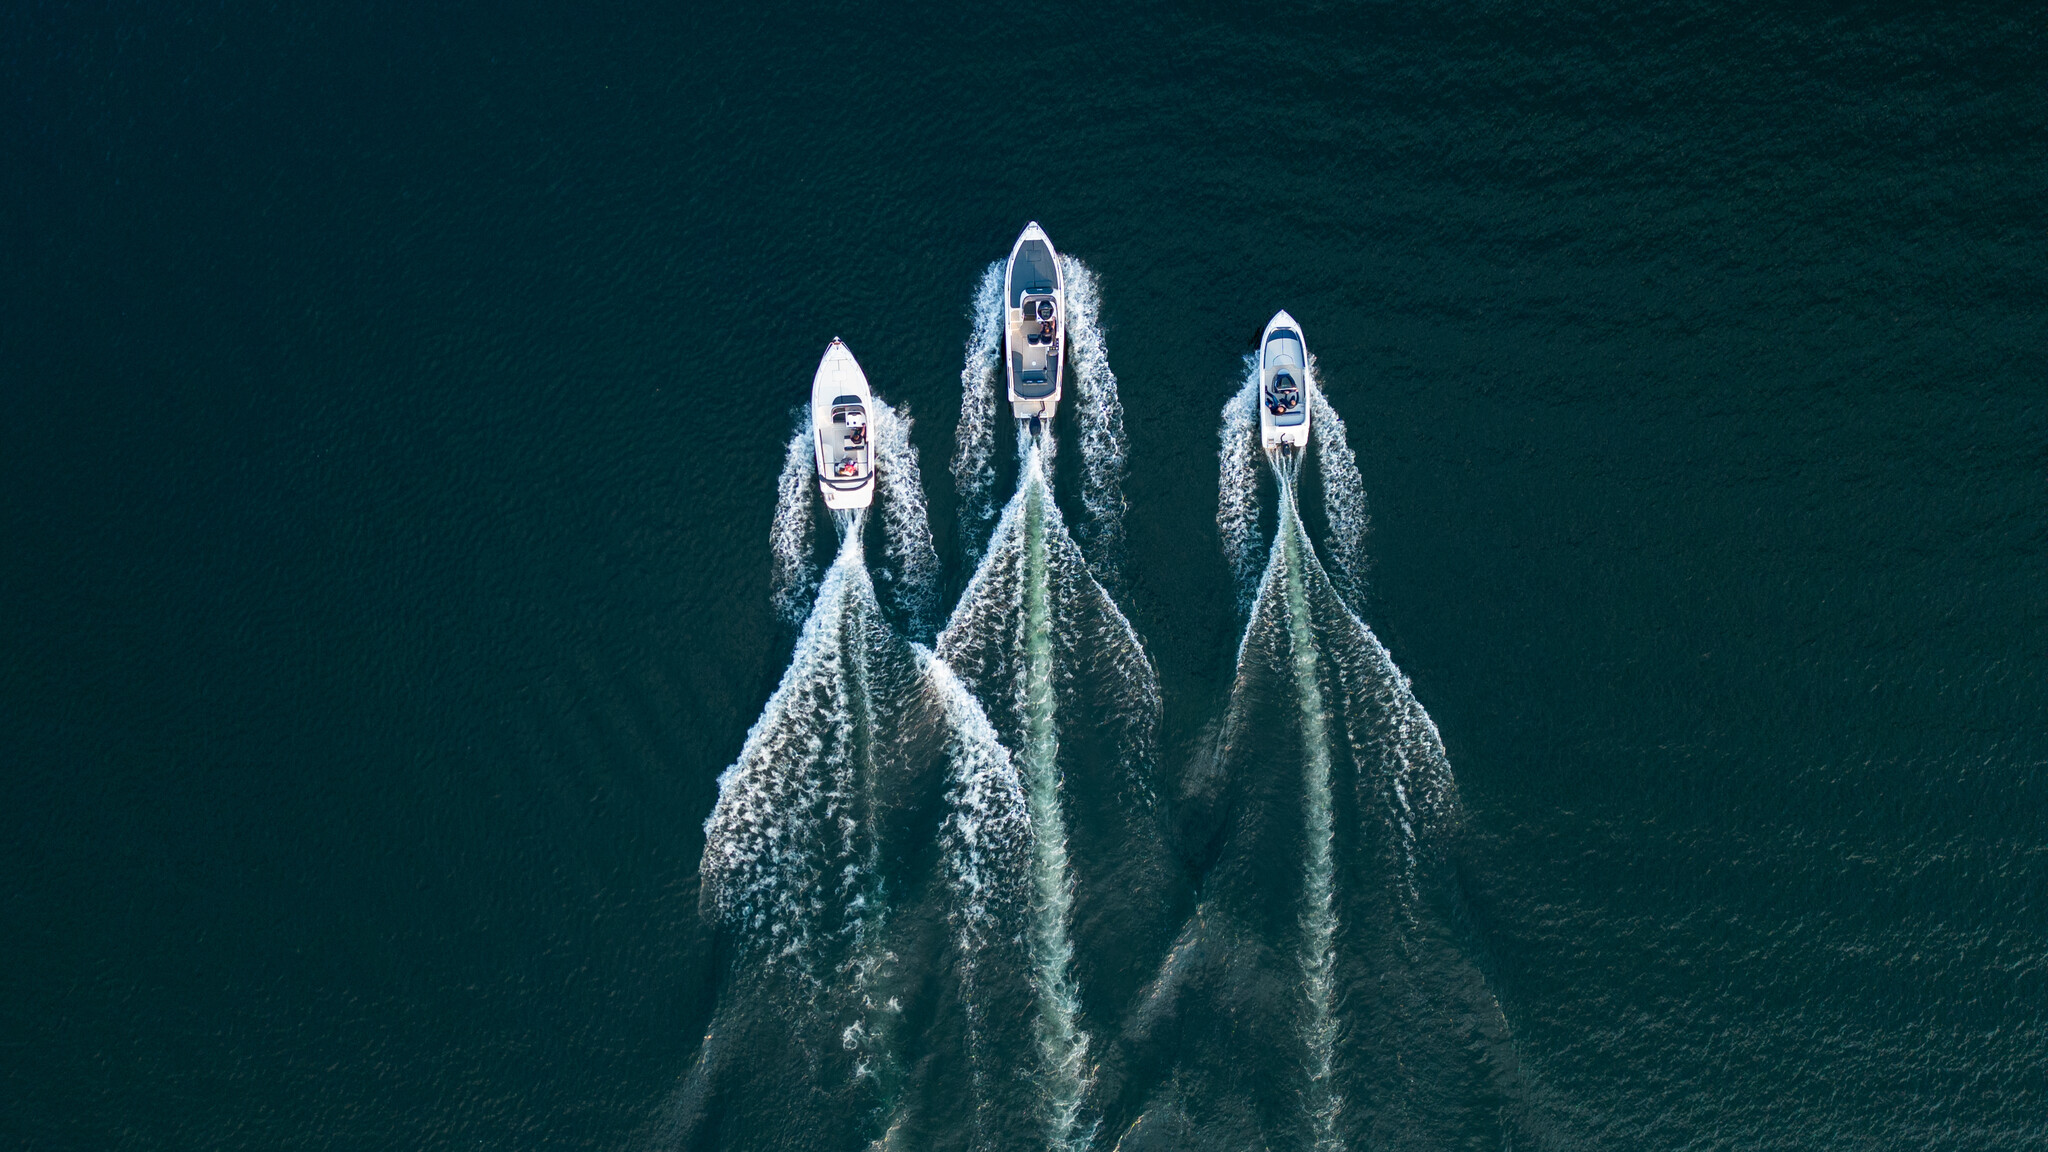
(842,434)
(1285,400)
(1034,326)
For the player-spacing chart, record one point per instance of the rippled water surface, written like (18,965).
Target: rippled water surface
(429,720)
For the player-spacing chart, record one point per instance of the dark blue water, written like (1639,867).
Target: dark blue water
(391,404)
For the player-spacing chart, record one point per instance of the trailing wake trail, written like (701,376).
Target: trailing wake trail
(1072,694)
(1327,992)
(794,847)
(1318,912)
(1063,1049)
(871,825)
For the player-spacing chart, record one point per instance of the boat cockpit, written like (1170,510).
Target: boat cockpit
(1285,399)
(846,444)
(1040,318)
(1036,355)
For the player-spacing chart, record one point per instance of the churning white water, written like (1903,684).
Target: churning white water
(1318,911)
(1099,413)
(1237,486)
(779,844)
(1009,595)
(1343,494)
(794,854)
(974,439)
(987,844)
(1312,676)
(913,569)
(792,576)
(1045,649)
(1062,1045)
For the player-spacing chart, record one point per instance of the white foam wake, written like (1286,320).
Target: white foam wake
(975,438)
(1237,485)
(1063,1047)
(792,575)
(779,845)
(1033,635)
(1318,912)
(982,637)
(1100,413)
(863,730)
(986,842)
(1020,543)
(913,570)
(1406,772)
(1343,495)
(1344,976)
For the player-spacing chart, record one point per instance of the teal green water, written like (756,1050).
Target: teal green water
(394,401)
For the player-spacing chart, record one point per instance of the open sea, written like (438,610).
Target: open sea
(436,713)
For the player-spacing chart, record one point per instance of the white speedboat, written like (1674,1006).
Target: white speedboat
(1035,309)
(1283,386)
(841,408)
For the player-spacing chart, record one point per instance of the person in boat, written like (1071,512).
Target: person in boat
(846,468)
(1285,395)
